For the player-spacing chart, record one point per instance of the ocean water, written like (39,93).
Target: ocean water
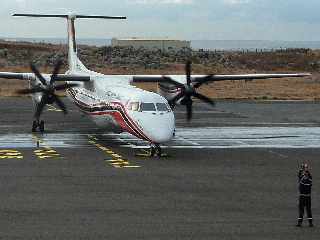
(195,44)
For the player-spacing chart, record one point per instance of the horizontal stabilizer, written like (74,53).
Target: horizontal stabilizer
(40,15)
(99,16)
(67,16)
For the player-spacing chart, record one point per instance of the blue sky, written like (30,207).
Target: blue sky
(184,19)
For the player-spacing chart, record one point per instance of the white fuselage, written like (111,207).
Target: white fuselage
(113,104)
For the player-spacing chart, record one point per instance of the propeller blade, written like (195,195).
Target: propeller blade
(170,80)
(189,109)
(30,91)
(203,80)
(40,106)
(38,74)
(60,103)
(55,72)
(188,72)
(203,98)
(65,86)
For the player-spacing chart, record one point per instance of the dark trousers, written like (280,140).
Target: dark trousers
(305,202)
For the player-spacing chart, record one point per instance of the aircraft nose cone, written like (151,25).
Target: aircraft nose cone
(160,128)
(162,134)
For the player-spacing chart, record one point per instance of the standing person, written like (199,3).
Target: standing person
(305,184)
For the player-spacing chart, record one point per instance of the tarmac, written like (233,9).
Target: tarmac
(230,174)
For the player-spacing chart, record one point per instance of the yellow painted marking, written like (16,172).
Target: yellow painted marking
(116,164)
(10,154)
(42,157)
(11,157)
(120,163)
(53,108)
(104,148)
(117,161)
(46,153)
(112,160)
(9,151)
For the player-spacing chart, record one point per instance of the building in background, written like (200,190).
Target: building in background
(152,44)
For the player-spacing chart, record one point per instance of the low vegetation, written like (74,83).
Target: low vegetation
(16,56)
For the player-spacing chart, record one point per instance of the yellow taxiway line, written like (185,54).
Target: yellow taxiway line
(117,160)
(45,151)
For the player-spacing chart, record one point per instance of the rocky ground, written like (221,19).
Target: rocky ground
(16,56)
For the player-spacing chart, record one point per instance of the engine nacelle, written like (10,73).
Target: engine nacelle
(168,90)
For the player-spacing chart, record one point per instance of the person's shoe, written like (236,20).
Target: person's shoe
(299,222)
(310,224)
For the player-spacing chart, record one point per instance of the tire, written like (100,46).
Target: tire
(41,126)
(159,152)
(152,152)
(34,126)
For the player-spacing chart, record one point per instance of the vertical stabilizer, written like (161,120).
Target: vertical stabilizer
(73,61)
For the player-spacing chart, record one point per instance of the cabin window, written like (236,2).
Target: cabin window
(147,107)
(133,106)
(162,107)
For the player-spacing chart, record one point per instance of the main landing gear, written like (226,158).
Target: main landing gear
(38,124)
(154,151)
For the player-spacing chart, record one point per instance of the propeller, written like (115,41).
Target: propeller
(188,90)
(48,90)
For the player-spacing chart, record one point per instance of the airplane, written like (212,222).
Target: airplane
(111,101)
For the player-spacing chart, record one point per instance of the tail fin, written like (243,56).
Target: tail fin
(73,61)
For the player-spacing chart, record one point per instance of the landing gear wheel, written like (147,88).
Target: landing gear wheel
(34,126)
(158,151)
(41,126)
(153,151)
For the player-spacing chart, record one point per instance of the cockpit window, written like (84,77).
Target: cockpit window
(162,107)
(147,107)
(133,106)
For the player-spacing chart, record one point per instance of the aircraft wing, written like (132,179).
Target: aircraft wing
(159,78)
(214,78)
(31,76)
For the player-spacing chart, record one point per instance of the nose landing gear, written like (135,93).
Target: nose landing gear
(38,124)
(154,151)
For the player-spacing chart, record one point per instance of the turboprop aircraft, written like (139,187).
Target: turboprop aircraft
(111,101)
